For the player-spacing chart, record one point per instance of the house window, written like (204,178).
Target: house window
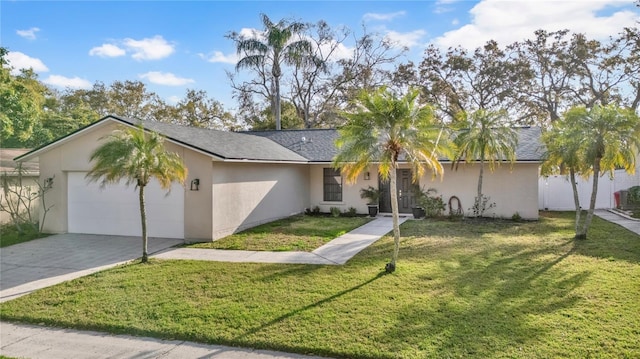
(332,185)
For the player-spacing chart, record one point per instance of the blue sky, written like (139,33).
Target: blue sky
(175,45)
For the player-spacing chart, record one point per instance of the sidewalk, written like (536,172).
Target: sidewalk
(336,252)
(629,223)
(27,341)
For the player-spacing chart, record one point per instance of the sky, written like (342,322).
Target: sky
(172,46)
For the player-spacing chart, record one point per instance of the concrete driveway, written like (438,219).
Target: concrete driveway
(41,263)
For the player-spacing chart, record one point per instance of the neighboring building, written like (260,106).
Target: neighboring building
(29,179)
(240,180)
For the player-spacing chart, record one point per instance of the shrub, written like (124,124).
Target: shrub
(351,212)
(335,211)
(516,217)
(433,206)
(634,194)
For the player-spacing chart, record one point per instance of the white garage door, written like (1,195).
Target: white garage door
(115,209)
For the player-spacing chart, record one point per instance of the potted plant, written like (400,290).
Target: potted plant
(418,196)
(372,195)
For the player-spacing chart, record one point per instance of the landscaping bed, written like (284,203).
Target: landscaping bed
(493,289)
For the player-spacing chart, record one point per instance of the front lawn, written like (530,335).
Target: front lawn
(297,233)
(462,290)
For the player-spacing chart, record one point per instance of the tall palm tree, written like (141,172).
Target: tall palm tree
(609,138)
(484,136)
(380,130)
(136,156)
(280,44)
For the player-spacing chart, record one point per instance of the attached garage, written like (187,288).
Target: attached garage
(114,209)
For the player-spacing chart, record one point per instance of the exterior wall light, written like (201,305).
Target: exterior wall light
(367,176)
(195,184)
(48,183)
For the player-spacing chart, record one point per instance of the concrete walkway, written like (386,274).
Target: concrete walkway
(27,341)
(336,252)
(629,223)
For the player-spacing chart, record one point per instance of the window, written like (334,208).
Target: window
(332,185)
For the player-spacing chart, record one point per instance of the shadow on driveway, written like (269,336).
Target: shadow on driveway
(41,263)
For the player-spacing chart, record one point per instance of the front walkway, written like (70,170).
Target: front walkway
(336,252)
(631,224)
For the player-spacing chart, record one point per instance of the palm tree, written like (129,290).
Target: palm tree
(562,156)
(278,45)
(383,128)
(136,156)
(609,138)
(483,136)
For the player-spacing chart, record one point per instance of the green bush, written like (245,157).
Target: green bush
(351,212)
(335,211)
(634,194)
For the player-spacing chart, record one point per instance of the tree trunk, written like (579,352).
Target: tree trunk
(576,198)
(592,202)
(276,81)
(143,219)
(478,202)
(395,215)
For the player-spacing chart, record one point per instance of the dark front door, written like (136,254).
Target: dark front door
(405,190)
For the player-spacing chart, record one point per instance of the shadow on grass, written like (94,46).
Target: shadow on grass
(310,306)
(487,305)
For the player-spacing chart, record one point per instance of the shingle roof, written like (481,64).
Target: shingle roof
(311,145)
(318,145)
(227,145)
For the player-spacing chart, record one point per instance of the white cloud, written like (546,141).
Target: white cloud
(510,21)
(107,50)
(154,48)
(17,61)
(406,39)
(28,34)
(173,99)
(67,82)
(218,56)
(455,22)
(165,78)
(383,17)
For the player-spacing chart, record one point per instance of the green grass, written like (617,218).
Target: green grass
(462,290)
(9,235)
(297,233)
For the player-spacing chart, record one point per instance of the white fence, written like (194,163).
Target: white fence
(555,192)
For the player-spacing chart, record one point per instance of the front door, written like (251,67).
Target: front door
(405,190)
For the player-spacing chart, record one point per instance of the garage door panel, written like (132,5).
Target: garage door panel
(114,209)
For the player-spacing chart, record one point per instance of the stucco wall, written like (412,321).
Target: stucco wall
(350,191)
(73,156)
(249,194)
(512,188)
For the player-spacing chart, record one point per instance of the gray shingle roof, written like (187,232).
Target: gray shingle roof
(318,145)
(228,145)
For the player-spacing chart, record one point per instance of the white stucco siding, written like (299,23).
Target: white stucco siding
(350,191)
(249,194)
(512,188)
